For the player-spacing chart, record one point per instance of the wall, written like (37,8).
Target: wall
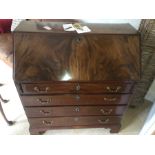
(134,22)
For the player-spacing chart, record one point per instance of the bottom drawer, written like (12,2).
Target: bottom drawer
(72,121)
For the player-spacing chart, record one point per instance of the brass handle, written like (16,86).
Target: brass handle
(47,123)
(77,87)
(77,97)
(106,111)
(76,119)
(110,99)
(103,121)
(113,90)
(49,100)
(45,112)
(77,109)
(37,89)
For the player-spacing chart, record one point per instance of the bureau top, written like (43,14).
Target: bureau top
(57,27)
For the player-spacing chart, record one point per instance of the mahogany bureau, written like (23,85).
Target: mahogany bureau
(71,80)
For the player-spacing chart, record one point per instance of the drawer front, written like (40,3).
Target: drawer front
(52,100)
(74,111)
(61,88)
(54,88)
(73,121)
(112,88)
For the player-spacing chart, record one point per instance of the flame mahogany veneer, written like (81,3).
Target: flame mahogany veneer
(70,80)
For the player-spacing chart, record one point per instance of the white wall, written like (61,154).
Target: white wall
(134,22)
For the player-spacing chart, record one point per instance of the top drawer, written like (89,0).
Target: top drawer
(84,88)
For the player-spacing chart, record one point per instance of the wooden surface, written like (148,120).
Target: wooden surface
(57,27)
(74,58)
(74,99)
(74,111)
(85,88)
(70,80)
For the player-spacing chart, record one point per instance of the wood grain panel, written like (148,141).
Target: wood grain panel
(47,57)
(70,80)
(57,27)
(44,57)
(108,57)
(73,99)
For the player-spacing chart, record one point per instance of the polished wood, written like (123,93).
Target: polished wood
(70,80)
(2,112)
(76,58)
(56,28)
(74,99)
(61,88)
(73,121)
(74,111)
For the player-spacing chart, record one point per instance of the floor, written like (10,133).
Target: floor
(131,124)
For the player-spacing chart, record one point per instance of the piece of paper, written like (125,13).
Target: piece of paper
(76,27)
(84,29)
(47,28)
(68,27)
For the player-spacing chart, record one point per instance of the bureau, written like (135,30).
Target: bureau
(70,80)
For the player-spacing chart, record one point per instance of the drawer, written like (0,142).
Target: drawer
(48,88)
(74,111)
(72,121)
(73,99)
(111,87)
(61,88)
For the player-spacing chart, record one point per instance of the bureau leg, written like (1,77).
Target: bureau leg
(1,109)
(115,128)
(36,132)
(8,122)
(3,100)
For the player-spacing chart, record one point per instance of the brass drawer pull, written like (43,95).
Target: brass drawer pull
(45,112)
(103,121)
(77,109)
(110,99)
(113,90)
(49,100)
(37,89)
(106,111)
(47,123)
(77,97)
(76,119)
(77,87)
